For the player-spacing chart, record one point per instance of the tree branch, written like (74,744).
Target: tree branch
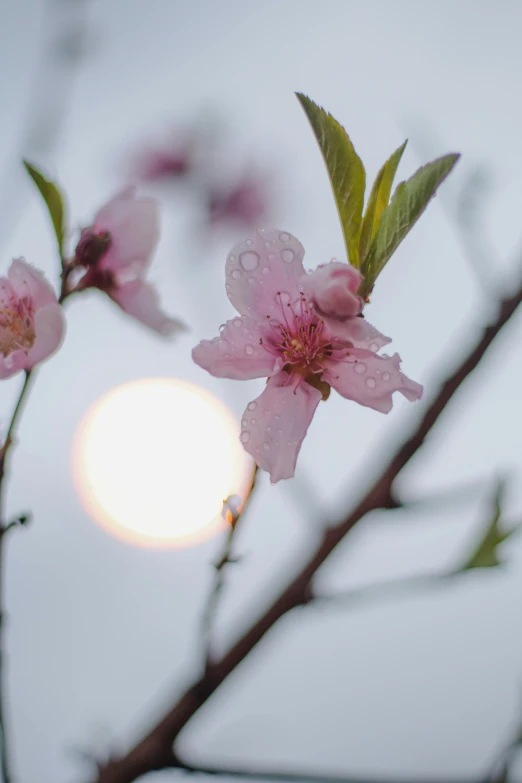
(151,751)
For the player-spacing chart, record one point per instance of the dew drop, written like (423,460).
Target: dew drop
(265,270)
(266,445)
(237,322)
(236,274)
(284,237)
(370,382)
(244,422)
(268,243)
(287,255)
(245,436)
(271,256)
(249,350)
(374,347)
(231,257)
(359,368)
(249,243)
(249,260)
(253,421)
(386,376)
(277,417)
(251,280)
(269,428)
(252,406)
(222,327)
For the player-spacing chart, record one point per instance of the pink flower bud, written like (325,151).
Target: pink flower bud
(333,287)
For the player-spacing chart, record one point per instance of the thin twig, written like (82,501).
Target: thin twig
(287,776)
(4,527)
(211,608)
(148,753)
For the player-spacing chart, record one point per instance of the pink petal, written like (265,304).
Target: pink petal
(236,353)
(140,300)
(49,328)
(133,224)
(274,426)
(370,379)
(356,331)
(27,281)
(258,268)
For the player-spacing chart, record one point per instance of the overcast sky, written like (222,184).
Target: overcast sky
(102,634)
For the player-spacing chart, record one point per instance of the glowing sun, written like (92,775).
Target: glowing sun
(153,461)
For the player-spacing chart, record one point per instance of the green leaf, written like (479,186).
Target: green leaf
(408,203)
(54,201)
(345,169)
(485,554)
(378,201)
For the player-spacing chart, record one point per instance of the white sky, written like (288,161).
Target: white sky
(101,633)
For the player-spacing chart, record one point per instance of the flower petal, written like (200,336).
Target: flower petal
(274,426)
(236,353)
(27,281)
(356,331)
(49,327)
(140,300)
(370,379)
(258,268)
(133,224)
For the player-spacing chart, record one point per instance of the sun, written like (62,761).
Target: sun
(154,459)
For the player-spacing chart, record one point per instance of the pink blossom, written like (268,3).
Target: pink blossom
(158,165)
(116,252)
(281,334)
(245,203)
(31,320)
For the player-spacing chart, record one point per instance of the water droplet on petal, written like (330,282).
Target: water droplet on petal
(249,242)
(271,256)
(287,255)
(222,327)
(277,417)
(253,421)
(374,347)
(237,322)
(252,406)
(269,428)
(266,445)
(265,270)
(371,383)
(249,260)
(236,274)
(268,243)
(284,237)
(386,376)
(244,422)
(245,436)
(359,368)
(249,350)
(231,257)
(251,280)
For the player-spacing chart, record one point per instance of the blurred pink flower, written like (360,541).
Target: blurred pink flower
(116,252)
(158,165)
(244,203)
(282,335)
(31,320)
